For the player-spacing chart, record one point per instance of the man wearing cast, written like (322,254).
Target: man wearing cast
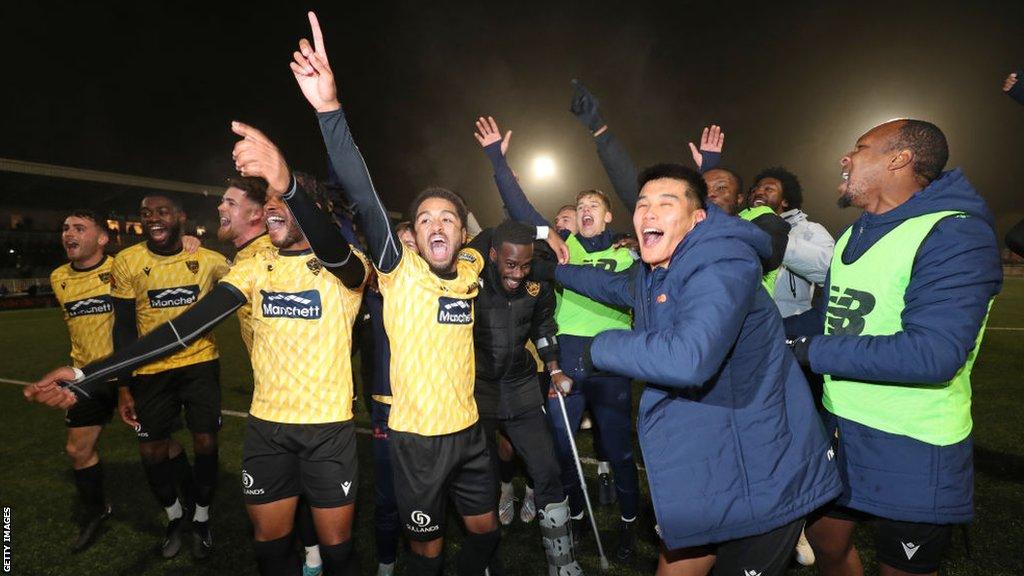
(731,487)
(909,290)
(607,395)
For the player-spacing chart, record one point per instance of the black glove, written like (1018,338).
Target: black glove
(542,269)
(586,362)
(584,107)
(801,348)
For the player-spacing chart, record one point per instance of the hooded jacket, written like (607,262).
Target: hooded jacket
(956,273)
(805,264)
(726,422)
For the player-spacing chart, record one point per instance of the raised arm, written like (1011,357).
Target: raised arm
(313,74)
(495,147)
(255,155)
(165,339)
(621,169)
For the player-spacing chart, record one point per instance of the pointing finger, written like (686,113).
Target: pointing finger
(318,36)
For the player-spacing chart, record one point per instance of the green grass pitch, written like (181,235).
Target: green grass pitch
(36,485)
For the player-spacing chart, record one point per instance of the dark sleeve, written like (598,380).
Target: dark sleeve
(707,316)
(482,242)
(381,242)
(326,240)
(614,288)
(516,203)
(543,327)
(620,168)
(1015,237)
(1017,90)
(125,329)
(955,275)
(167,338)
(778,229)
(811,322)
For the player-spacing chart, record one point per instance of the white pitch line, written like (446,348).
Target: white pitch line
(237,414)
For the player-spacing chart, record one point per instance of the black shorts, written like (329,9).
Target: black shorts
(914,547)
(160,397)
(765,554)
(316,461)
(95,411)
(430,468)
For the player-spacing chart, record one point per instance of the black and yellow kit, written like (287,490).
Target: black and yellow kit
(84,298)
(250,249)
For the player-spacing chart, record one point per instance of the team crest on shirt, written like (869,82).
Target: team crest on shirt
(314,266)
(454,311)
(533,288)
(106,278)
(193,266)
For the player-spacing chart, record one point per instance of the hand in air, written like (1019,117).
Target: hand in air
(487,133)
(256,155)
(712,139)
(312,71)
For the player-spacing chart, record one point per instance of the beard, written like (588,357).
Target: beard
(845,201)
(292,236)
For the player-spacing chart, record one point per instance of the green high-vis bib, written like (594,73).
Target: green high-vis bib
(749,214)
(578,315)
(867,299)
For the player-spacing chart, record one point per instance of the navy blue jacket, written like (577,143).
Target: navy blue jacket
(955,274)
(728,428)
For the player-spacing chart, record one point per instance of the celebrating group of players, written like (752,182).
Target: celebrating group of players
(738,458)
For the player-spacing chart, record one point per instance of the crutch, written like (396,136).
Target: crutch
(583,481)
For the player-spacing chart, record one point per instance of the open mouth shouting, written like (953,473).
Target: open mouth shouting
(275,222)
(438,248)
(157,232)
(651,237)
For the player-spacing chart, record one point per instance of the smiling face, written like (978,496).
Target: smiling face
(439,233)
(83,240)
(768,192)
(241,218)
(592,215)
(513,264)
(664,215)
(161,222)
(282,228)
(566,220)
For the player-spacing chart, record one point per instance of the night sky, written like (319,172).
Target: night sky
(149,88)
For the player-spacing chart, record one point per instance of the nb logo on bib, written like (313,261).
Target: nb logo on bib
(846,311)
(454,311)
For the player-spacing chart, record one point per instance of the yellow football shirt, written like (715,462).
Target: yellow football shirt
(163,287)
(255,246)
(84,296)
(429,321)
(302,337)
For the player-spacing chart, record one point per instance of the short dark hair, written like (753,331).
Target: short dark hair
(604,198)
(403,225)
(442,193)
(514,233)
(174,200)
(696,189)
(315,189)
(88,215)
(566,207)
(792,192)
(732,173)
(928,143)
(255,188)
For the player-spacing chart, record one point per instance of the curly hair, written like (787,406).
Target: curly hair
(792,192)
